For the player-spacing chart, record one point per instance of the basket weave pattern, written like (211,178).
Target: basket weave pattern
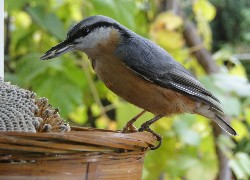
(82,153)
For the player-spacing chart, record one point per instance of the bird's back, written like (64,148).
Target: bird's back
(155,65)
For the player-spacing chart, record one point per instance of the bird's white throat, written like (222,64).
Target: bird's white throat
(98,36)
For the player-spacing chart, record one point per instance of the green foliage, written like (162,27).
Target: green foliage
(204,13)
(47,21)
(241,165)
(68,81)
(126,12)
(60,80)
(232,22)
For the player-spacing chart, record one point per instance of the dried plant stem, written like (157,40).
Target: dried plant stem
(85,67)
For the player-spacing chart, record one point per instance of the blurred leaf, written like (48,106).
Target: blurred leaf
(159,161)
(29,67)
(246,65)
(79,115)
(241,129)
(243,146)
(208,82)
(244,161)
(102,122)
(123,11)
(164,125)
(168,21)
(162,38)
(229,83)
(181,56)
(204,12)
(23,20)
(247,115)
(47,21)
(204,31)
(204,8)
(191,138)
(234,65)
(74,73)
(231,105)
(60,91)
(240,165)
(183,126)
(103,91)
(22,40)
(59,81)
(15,5)
(127,111)
(226,144)
(163,31)
(201,170)
(238,171)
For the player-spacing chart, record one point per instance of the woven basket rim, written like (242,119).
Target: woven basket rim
(78,139)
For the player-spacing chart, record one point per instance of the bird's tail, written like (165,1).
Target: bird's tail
(216,115)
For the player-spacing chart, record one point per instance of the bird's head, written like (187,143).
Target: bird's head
(85,35)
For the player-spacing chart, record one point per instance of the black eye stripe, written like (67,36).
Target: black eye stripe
(77,31)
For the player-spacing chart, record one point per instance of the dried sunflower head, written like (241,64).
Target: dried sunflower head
(21,110)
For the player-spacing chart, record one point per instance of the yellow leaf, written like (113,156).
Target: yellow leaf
(165,123)
(169,39)
(167,20)
(23,19)
(204,8)
(102,122)
(240,128)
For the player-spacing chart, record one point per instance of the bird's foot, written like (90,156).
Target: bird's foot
(145,127)
(129,128)
(130,124)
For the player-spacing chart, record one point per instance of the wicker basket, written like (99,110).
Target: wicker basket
(82,153)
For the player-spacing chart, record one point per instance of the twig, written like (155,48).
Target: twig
(202,55)
(204,58)
(93,89)
(7,21)
(7,35)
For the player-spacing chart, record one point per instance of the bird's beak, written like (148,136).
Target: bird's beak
(58,50)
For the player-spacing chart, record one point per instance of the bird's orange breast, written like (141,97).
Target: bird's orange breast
(134,88)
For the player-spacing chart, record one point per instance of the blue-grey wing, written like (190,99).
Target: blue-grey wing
(154,64)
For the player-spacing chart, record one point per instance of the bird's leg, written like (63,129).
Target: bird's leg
(145,127)
(130,124)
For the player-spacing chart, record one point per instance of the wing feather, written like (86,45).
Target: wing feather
(156,65)
(185,79)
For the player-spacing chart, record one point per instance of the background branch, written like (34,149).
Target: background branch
(205,59)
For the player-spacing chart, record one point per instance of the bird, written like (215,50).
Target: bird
(140,71)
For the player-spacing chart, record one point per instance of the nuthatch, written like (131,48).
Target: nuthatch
(140,71)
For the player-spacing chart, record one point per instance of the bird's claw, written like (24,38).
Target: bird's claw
(129,128)
(130,124)
(158,137)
